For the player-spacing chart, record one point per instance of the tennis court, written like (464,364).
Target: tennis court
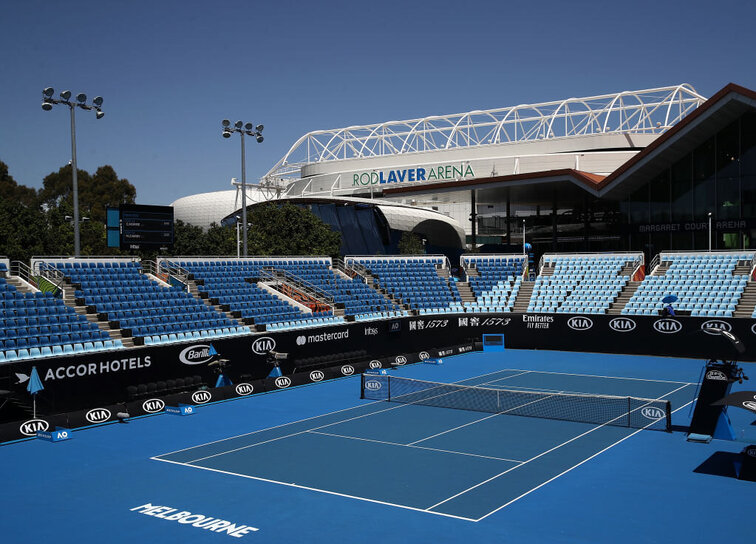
(319,464)
(455,462)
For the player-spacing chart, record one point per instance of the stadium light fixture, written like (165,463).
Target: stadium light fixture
(47,103)
(256,132)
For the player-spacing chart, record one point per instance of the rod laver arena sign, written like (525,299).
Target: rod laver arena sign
(432,173)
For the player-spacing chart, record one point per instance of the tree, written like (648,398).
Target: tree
(411,244)
(188,239)
(12,191)
(286,229)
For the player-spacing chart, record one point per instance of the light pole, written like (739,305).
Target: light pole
(250,130)
(81,101)
(709,232)
(523,237)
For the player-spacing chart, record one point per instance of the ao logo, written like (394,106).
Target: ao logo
(195,355)
(717,375)
(244,389)
(375,364)
(622,324)
(316,375)
(424,355)
(706,326)
(373,385)
(580,323)
(30,428)
(750,405)
(153,406)
(263,345)
(667,326)
(651,412)
(97,415)
(347,370)
(282,382)
(201,397)
(301,340)
(400,360)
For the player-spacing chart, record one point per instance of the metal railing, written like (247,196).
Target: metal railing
(353,269)
(276,275)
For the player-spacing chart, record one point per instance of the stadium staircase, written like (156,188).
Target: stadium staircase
(746,307)
(627,292)
(523,297)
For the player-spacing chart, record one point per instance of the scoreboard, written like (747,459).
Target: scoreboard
(134,227)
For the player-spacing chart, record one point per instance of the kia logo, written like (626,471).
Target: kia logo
(244,389)
(750,405)
(651,412)
(715,324)
(579,323)
(622,324)
(424,355)
(347,370)
(283,381)
(153,406)
(667,326)
(400,360)
(201,397)
(753,328)
(375,364)
(316,375)
(97,415)
(195,355)
(717,375)
(263,345)
(30,428)
(373,385)
(301,340)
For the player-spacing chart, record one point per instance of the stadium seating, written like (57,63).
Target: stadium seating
(587,283)
(705,284)
(494,280)
(415,281)
(149,310)
(40,325)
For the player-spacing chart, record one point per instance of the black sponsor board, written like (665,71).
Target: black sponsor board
(94,379)
(95,415)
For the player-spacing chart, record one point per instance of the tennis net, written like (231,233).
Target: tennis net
(631,412)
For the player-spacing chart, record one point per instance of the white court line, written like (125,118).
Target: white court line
(520,372)
(573,467)
(608,377)
(291,484)
(544,453)
(416,447)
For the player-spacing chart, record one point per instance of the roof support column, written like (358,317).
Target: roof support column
(473,220)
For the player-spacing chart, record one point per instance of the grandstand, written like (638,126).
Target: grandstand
(107,304)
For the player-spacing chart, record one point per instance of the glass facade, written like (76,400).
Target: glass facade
(669,212)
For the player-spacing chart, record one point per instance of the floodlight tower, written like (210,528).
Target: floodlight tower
(250,130)
(81,101)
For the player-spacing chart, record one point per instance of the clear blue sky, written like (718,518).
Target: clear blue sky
(169,71)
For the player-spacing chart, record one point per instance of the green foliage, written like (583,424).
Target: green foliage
(286,229)
(411,244)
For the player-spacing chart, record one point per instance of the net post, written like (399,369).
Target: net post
(668,409)
(629,410)
(388,387)
(362,385)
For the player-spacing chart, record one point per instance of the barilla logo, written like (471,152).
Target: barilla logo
(317,375)
(195,355)
(30,428)
(750,405)
(97,415)
(717,375)
(715,324)
(152,406)
(347,370)
(667,326)
(424,355)
(375,363)
(622,324)
(652,412)
(244,389)
(201,397)
(580,323)
(282,382)
(263,345)
(373,385)
(400,360)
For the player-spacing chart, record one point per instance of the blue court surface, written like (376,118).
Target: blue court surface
(317,464)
